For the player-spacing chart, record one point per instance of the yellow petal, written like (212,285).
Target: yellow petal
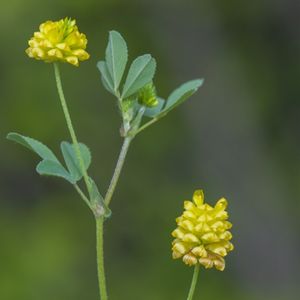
(199,251)
(38,52)
(222,215)
(202,218)
(229,246)
(219,264)
(198,197)
(188,205)
(81,54)
(38,35)
(221,204)
(199,227)
(178,233)
(189,214)
(187,224)
(206,262)
(210,237)
(73,60)
(176,255)
(179,247)
(220,251)
(33,43)
(190,238)
(55,52)
(219,225)
(226,236)
(190,259)
(62,46)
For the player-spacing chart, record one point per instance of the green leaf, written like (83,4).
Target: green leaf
(140,73)
(177,97)
(116,57)
(50,164)
(53,168)
(152,112)
(105,76)
(34,145)
(181,94)
(97,201)
(71,160)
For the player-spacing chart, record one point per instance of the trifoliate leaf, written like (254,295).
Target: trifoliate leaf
(72,161)
(50,164)
(105,77)
(40,149)
(116,57)
(182,93)
(53,168)
(140,73)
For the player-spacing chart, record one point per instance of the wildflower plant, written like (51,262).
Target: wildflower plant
(202,236)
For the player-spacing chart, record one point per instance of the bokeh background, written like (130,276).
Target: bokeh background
(237,137)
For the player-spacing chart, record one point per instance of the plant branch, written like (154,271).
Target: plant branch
(146,125)
(70,125)
(118,170)
(83,196)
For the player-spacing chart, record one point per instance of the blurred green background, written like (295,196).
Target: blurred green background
(237,137)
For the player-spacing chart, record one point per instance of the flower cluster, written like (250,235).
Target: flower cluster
(147,95)
(202,234)
(58,41)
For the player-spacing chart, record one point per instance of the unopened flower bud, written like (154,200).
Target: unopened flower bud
(147,95)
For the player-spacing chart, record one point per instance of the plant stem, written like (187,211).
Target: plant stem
(99,221)
(100,258)
(146,125)
(70,125)
(194,282)
(118,170)
(83,196)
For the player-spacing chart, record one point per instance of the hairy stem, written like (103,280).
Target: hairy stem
(100,258)
(194,282)
(118,170)
(69,124)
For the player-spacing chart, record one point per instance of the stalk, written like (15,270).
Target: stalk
(194,282)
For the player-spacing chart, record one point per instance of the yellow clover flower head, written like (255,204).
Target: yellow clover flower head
(202,234)
(58,41)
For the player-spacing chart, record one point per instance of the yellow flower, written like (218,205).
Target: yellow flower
(202,234)
(58,41)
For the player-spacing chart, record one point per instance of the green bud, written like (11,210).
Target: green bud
(128,108)
(147,95)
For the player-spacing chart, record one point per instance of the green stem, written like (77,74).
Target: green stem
(146,125)
(118,170)
(70,125)
(194,282)
(83,196)
(100,258)
(99,221)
